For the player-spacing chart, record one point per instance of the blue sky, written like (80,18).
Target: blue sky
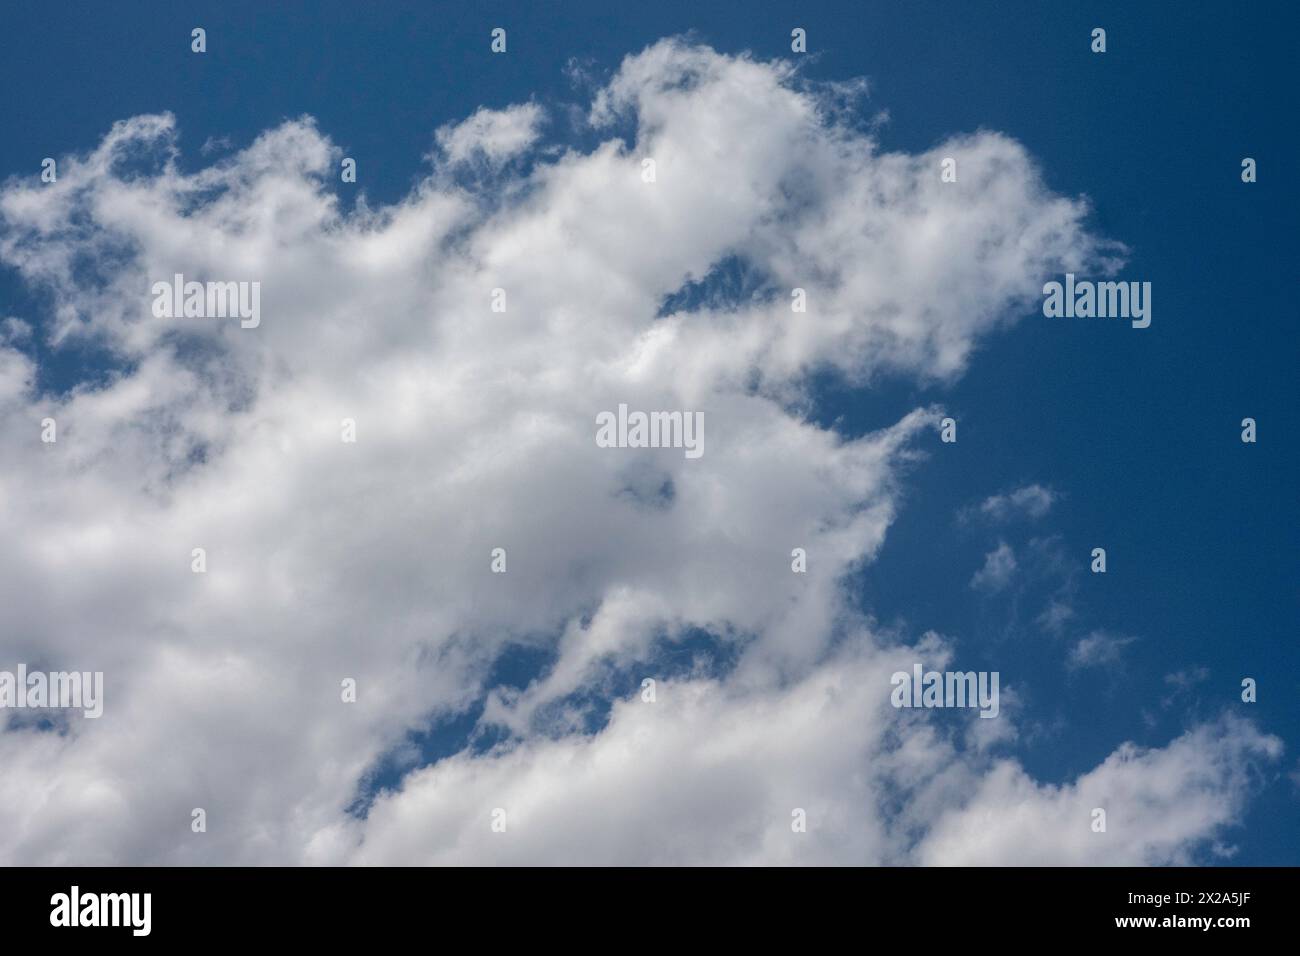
(1134,432)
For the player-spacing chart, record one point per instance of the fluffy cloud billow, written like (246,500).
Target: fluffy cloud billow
(329,560)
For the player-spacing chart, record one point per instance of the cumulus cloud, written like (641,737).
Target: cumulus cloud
(1159,805)
(494,136)
(370,560)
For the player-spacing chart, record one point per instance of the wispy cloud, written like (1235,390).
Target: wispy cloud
(999,566)
(1029,501)
(1099,649)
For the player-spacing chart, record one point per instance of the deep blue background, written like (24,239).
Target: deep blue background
(1139,429)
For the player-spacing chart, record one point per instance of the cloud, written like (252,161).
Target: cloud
(1183,684)
(493,136)
(1099,649)
(711,774)
(1031,501)
(15,331)
(1159,805)
(1055,616)
(370,560)
(1187,678)
(999,566)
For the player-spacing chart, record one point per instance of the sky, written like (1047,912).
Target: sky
(369,561)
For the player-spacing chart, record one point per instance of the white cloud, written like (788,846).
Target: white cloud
(475,430)
(1187,678)
(492,135)
(15,331)
(1099,649)
(1055,616)
(995,574)
(1031,501)
(1159,805)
